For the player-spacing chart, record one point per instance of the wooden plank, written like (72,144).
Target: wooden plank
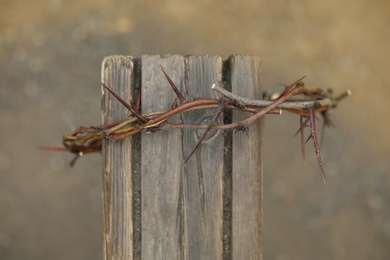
(247,165)
(162,162)
(118,74)
(202,176)
(181,214)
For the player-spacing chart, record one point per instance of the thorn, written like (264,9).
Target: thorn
(326,122)
(73,161)
(221,107)
(302,124)
(313,135)
(307,140)
(127,105)
(178,93)
(292,86)
(301,128)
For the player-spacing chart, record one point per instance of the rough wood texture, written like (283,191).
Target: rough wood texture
(208,209)
(118,73)
(202,176)
(247,165)
(162,163)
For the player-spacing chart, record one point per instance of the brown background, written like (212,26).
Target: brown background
(50,66)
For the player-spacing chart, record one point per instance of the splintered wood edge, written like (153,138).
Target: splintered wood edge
(117,72)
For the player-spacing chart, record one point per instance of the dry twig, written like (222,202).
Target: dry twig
(314,100)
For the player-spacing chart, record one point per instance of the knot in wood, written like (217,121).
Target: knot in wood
(212,134)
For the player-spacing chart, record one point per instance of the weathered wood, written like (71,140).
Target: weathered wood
(202,176)
(209,208)
(247,165)
(118,73)
(162,163)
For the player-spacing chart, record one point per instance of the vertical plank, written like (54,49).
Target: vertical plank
(182,212)
(162,162)
(202,177)
(247,165)
(118,74)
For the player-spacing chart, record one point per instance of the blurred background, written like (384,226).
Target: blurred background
(51,51)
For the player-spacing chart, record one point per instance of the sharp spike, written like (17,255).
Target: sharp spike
(221,107)
(315,141)
(178,93)
(130,107)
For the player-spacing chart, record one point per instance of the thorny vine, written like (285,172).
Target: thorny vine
(296,98)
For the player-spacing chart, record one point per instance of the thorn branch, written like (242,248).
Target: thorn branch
(88,139)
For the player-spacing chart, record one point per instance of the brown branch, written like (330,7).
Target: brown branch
(326,102)
(87,139)
(177,92)
(130,106)
(313,135)
(221,107)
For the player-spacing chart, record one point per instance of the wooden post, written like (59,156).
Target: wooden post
(247,166)
(154,207)
(118,73)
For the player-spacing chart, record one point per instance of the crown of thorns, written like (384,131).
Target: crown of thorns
(296,98)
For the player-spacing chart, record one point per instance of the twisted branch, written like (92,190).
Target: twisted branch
(313,100)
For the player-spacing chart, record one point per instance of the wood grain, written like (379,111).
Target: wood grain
(118,74)
(202,176)
(154,206)
(247,165)
(162,162)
